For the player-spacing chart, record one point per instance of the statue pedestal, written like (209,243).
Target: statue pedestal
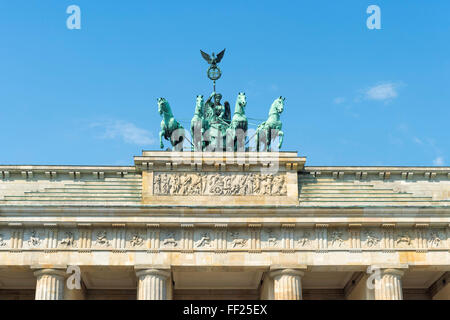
(219,178)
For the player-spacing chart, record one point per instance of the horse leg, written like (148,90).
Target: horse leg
(198,137)
(161,144)
(236,136)
(229,140)
(241,139)
(238,143)
(257,140)
(177,140)
(281,136)
(179,144)
(194,141)
(269,139)
(262,139)
(234,139)
(261,135)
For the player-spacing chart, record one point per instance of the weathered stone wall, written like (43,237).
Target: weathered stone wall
(232,216)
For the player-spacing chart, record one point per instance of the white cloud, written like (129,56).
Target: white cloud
(417,140)
(126,131)
(339,100)
(383,91)
(439,161)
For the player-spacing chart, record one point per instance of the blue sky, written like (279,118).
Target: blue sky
(354,96)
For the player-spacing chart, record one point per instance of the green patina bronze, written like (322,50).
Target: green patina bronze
(218,118)
(212,126)
(239,122)
(213,72)
(171,129)
(271,128)
(198,125)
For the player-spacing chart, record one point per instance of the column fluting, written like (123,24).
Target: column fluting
(50,284)
(152,284)
(388,285)
(287,284)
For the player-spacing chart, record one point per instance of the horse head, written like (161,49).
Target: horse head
(163,106)
(241,102)
(277,105)
(242,99)
(199,105)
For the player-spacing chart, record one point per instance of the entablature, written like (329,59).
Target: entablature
(382,172)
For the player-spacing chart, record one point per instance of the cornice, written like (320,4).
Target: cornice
(370,169)
(188,211)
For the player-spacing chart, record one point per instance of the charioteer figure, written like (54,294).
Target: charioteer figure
(217,112)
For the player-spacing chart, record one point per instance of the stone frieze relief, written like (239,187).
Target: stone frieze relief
(219,184)
(239,239)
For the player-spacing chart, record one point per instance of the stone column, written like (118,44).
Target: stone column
(50,284)
(388,284)
(287,284)
(152,284)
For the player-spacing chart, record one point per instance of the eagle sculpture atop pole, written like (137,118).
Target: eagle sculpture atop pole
(213,72)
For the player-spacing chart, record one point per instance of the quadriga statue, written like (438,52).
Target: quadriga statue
(212,128)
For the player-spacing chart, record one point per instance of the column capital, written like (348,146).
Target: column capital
(394,272)
(163,271)
(49,270)
(291,271)
(49,266)
(394,269)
